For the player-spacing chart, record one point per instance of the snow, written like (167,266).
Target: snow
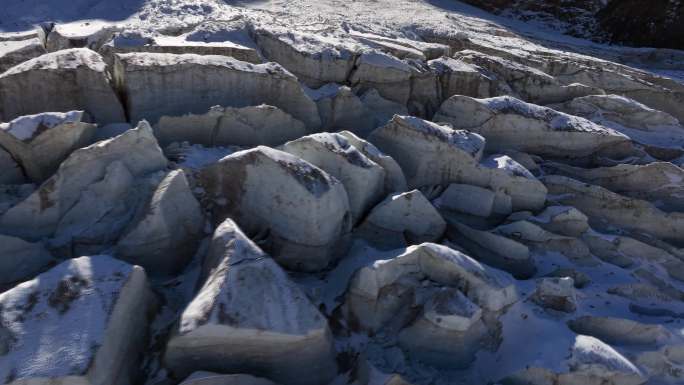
(56,336)
(25,128)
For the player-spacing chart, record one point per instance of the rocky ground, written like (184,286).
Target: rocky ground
(329,193)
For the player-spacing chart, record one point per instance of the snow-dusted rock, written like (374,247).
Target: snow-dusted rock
(13,52)
(661,183)
(590,362)
(620,331)
(158,84)
(248,317)
(304,211)
(378,292)
(535,236)
(509,123)
(556,293)
(447,333)
(222,126)
(166,236)
(363,179)
(209,378)
(21,260)
(92,195)
(530,84)
(12,173)
(395,181)
(494,250)
(404,219)
(41,142)
(73,79)
(604,207)
(82,322)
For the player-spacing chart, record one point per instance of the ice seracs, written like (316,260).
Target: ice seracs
(222,126)
(158,84)
(41,142)
(363,179)
(509,123)
(372,304)
(166,235)
(403,219)
(67,80)
(661,183)
(209,378)
(302,210)
(20,260)
(91,197)
(46,337)
(433,154)
(249,304)
(14,52)
(605,208)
